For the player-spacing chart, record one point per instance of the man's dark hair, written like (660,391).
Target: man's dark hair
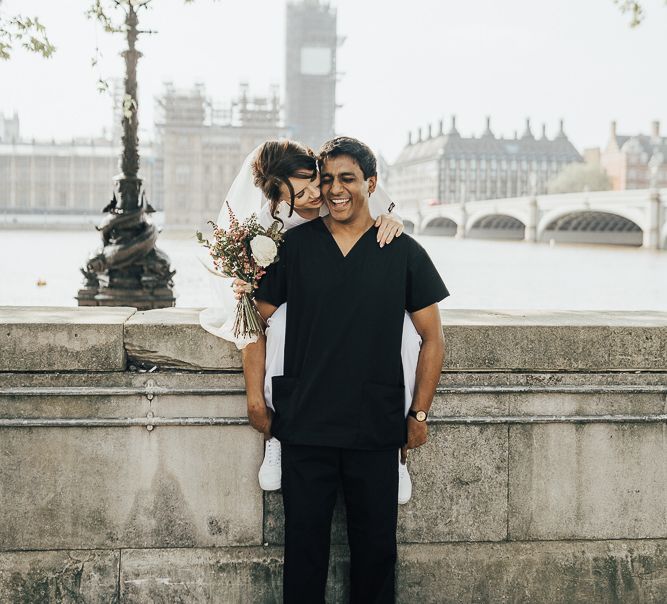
(358,151)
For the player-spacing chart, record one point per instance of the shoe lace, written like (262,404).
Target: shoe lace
(272,452)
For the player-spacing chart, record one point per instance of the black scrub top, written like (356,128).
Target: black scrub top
(343,377)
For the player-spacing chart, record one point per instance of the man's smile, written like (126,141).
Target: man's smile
(340,202)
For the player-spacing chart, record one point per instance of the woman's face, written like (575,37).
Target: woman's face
(306,191)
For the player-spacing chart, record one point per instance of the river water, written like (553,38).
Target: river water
(480,274)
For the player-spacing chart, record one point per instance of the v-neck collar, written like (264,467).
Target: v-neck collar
(333,239)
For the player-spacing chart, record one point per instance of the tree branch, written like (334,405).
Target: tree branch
(635,8)
(28,31)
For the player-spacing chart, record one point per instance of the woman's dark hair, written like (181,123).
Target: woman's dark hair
(274,164)
(358,151)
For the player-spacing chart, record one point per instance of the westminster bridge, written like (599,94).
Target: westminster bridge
(636,218)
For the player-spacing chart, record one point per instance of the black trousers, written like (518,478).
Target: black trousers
(310,479)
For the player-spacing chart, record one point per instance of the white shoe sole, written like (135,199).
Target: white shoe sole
(404,499)
(269,485)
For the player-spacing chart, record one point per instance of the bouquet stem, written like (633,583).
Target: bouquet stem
(247,320)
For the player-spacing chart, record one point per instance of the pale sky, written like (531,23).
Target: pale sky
(403,64)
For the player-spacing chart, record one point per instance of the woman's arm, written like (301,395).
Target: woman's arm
(387,219)
(389,226)
(254,361)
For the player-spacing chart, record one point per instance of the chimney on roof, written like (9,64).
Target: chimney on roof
(430,133)
(419,135)
(409,137)
(544,131)
(527,133)
(561,128)
(488,132)
(441,127)
(453,129)
(612,129)
(655,129)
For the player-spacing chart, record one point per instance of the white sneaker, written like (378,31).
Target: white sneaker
(404,483)
(269,472)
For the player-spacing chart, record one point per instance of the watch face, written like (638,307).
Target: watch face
(421,416)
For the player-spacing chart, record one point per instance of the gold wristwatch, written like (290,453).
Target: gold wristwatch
(420,416)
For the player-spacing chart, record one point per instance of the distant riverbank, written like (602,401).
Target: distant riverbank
(480,274)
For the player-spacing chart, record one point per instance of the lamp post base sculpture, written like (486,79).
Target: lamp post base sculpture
(128,269)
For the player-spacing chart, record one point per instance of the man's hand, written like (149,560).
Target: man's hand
(389,227)
(417,433)
(260,417)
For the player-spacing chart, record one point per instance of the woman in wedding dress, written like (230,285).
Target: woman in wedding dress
(280,181)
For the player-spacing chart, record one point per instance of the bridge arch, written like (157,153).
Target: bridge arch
(496,226)
(633,215)
(439,225)
(591,226)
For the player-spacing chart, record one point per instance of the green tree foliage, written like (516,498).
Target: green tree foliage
(635,8)
(30,33)
(111,16)
(578,177)
(27,32)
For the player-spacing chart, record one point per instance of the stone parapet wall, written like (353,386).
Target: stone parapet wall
(128,472)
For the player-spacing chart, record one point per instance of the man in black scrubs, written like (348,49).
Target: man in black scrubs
(340,403)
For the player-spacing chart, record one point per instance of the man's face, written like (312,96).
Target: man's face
(344,188)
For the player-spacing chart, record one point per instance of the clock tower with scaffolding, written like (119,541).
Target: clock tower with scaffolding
(310,71)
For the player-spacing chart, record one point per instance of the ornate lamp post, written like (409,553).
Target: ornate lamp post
(128,269)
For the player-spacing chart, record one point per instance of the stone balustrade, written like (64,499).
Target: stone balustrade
(128,472)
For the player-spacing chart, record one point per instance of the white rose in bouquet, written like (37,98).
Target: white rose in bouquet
(264,250)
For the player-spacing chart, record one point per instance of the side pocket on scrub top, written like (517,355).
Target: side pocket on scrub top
(383,417)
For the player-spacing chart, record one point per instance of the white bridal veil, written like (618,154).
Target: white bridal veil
(244,199)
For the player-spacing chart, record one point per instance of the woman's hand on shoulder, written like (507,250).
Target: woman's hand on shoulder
(389,227)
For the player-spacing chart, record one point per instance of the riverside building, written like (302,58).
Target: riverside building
(634,161)
(438,166)
(65,177)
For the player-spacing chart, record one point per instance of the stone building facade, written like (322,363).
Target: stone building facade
(68,177)
(445,167)
(628,159)
(203,146)
(199,148)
